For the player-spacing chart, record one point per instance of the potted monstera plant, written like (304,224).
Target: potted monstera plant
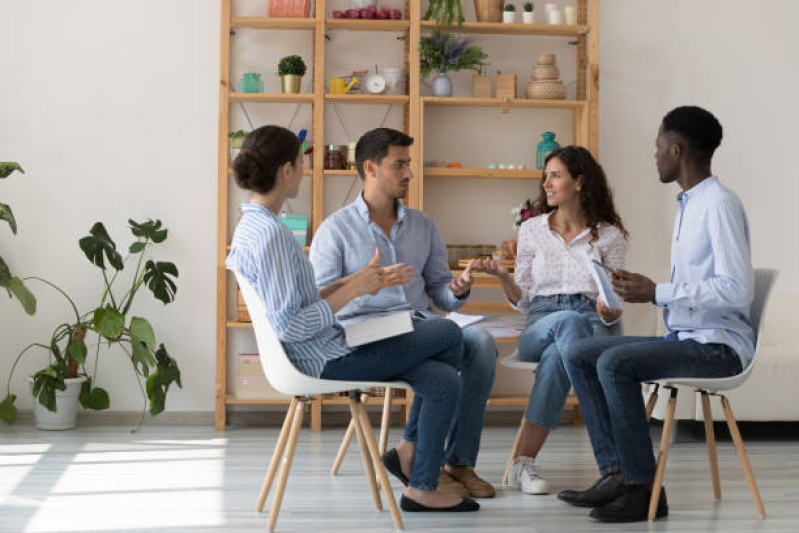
(75,346)
(11,283)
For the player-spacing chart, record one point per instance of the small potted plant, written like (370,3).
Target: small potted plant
(509,14)
(444,52)
(291,69)
(235,140)
(527,16)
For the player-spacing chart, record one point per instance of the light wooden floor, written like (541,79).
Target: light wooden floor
(179,478)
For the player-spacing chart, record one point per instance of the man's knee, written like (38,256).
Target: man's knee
(480,347)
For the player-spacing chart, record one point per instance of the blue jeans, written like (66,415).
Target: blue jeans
(477,378)
(607,374)
(429,359)
(554,323)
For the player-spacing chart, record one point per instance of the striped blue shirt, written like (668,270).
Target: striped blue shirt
(346,241)
(712,281)
(264,251)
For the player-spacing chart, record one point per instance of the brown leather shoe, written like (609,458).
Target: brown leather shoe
(477,487)
(447,483)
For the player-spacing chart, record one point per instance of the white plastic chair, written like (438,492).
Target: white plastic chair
(285,378)
(513,361)
(764,282)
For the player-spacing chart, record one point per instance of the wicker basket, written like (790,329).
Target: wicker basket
(550,89)
(290,8)
(545,72)
(546,59)
(488,10)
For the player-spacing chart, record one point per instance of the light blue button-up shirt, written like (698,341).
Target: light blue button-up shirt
(712,280)
(346,241)
(264,251)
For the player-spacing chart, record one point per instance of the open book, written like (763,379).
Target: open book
(378,328)
(464,320)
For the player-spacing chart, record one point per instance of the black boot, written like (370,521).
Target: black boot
(632,506)
(604,491)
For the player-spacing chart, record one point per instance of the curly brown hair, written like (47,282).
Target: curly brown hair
(596,198)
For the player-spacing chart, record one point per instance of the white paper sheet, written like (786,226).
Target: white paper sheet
(603,284)
(464,320)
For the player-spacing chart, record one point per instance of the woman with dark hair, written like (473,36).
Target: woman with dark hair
(553,285)
(265,252)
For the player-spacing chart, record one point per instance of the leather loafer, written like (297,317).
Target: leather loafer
(604,491)
(467,505)
(391,461)
(632,506)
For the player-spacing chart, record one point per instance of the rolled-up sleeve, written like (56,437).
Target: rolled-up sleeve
(523,272)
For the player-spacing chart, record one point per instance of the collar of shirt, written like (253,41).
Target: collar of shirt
(256,208)
(363,211)
(545,225)
(697,189)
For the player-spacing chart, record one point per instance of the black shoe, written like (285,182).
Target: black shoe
(392,463)
(604,491)
(466,505)
(632,506)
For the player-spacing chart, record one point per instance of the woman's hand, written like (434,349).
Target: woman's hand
(606,313)
(490,266)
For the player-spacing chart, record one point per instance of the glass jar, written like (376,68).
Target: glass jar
(251,82)
(545,147)
(335,157)
(351,156)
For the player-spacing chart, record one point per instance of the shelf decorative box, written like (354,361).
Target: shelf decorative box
(298,224)
(506,85)
(481,86)
(290,8)
(250,381)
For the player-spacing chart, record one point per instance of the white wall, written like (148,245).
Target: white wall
(111,107)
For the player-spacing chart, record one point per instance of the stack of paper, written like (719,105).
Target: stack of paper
(464,320)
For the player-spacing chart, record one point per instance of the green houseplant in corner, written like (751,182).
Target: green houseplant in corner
(291,69)
(108,325)
(12,284)
(444,12)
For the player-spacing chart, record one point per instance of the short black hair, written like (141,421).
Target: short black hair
(373,146)
(263,152)
(697,127)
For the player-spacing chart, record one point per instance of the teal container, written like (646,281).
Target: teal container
(298,224)
(251,82)
(545,147)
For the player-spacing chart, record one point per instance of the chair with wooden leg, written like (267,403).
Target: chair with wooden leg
(764,281)
(513,361)
(384,425)
(285,378)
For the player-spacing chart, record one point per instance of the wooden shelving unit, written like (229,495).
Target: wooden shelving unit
(584,110)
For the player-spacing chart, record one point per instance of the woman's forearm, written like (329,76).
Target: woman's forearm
(512,291)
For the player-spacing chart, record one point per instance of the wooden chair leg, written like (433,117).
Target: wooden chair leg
(365,455)
(513,451)
(296,423)
(710,437)
(386,420)
(342,450)
(657,484)
(653,400)
(381,470)
(280,446)
(739,447)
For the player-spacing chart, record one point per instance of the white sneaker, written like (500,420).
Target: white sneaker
(524,477)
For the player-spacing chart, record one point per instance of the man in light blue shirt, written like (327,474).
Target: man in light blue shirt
(705,307)
(409,240)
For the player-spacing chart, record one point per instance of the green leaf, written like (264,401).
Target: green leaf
(149,230)
(99,243)
(45,384)
(157,280)
(93,397)
(109,322)
(167,372)
(8,216)
(5,273)
(136,247)
(77,351)
(141,357)
(7,168)
(141,330)
(25,297)
(8,410)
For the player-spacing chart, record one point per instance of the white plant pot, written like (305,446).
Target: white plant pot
(66,402)
(508,17)
(528,17)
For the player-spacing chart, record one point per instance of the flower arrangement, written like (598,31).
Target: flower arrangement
(444,52)
(521,213)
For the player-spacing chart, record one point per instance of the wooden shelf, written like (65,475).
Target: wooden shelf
(367,25)
(305,171)
(232,400)
(272,98)
(273,23)
(446,172)
(368,98)
(500,28)
(340,172)
(233,324)
(497,102)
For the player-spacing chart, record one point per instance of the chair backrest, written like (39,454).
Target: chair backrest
(279,370)
(764,282)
